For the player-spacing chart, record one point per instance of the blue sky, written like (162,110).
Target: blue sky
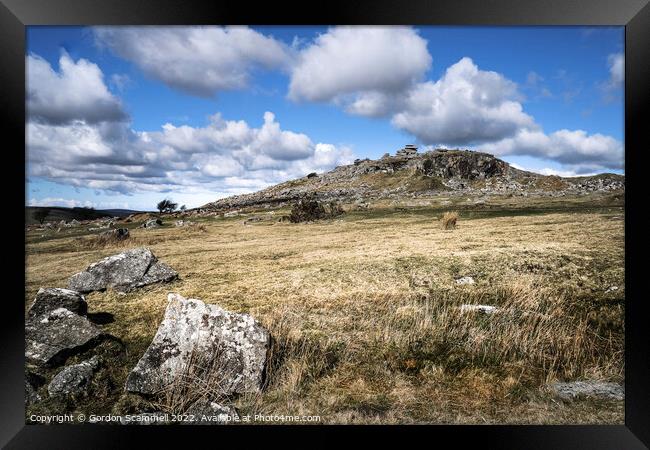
(123,117)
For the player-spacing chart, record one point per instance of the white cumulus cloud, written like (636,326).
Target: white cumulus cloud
(76,92)
(355,66)
(466,106)
(222,157)
(197,60)
(576,149)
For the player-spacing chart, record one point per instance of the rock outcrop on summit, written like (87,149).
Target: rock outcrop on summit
(461,172)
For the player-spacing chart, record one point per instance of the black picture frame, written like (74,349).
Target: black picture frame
(15,15)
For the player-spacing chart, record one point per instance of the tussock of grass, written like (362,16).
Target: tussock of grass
(201,378)
(99,241)
(309,209)
(449,220)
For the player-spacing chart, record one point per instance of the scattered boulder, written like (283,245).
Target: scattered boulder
(595,389)
(235,344)
(51,337)
(205,412)
(152,223)
(465,280)
(123,272)
(49,299)
(484,309)
(158,272)
(74,379)
(118,234)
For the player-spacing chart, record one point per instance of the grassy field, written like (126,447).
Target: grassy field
(365,311)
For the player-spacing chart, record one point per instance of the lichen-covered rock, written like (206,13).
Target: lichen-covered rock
(595,389)
(233,345)
(119,234)
(158,272)
(51,337)
(205,412)
(74,379)
(122,272)
(49,299)
(152,223)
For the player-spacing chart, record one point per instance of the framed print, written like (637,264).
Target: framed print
(373,217)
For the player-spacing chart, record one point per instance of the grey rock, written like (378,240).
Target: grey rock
(465,280)
(485,309)
(233,345)
(158,272)
(49,299)
(152,223)
(117,233)
(51,337)
(74,379)
(595,389)
(205,412)
(122,272)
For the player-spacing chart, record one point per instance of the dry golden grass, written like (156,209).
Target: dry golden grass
(199,379)
(364,310)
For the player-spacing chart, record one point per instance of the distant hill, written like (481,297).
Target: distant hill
(409,173)
(58,213)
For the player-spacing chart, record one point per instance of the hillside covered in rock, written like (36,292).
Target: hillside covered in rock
(413,174)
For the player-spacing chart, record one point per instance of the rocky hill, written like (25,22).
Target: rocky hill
(409,173)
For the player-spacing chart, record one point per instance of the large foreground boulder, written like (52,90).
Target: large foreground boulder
(52,337)
(123,272)
(49,299)
(233,346)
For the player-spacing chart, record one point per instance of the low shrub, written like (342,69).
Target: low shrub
(308,209)
(449,220)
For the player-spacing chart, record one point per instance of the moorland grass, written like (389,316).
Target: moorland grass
(365,314)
